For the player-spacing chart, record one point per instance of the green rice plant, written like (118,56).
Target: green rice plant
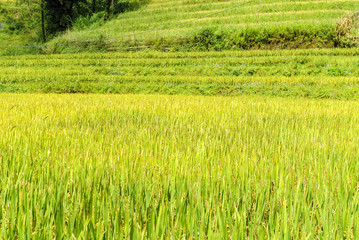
(171,167)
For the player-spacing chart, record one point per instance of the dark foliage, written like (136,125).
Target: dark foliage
(61,14)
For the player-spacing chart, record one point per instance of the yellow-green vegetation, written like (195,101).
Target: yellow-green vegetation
(277,158)
(314,73)
(173,167)
(255,24)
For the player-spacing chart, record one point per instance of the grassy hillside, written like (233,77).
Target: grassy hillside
(8,8)
(326,73)
(200,25)
(258,24)
(19,26)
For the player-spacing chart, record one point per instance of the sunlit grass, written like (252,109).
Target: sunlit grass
(166,13)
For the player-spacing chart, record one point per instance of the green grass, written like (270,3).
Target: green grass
(171,167)
(279,24)
(270,25)
(326,73)
(16,33)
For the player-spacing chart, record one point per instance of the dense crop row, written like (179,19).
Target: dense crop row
(312,73)
(177,167)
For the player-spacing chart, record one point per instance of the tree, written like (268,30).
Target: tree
(61,14)
(49,17)
(108,6)
(43,21)
(93,6)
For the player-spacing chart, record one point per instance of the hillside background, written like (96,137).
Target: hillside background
(188,25)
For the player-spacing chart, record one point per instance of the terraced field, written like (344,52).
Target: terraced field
(176,20)
(325,73)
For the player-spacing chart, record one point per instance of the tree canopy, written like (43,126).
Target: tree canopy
(48,18)
(61,14)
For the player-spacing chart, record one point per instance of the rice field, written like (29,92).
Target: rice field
(312,62)
(184,144)
(313,73)
(158,14)
(177,167)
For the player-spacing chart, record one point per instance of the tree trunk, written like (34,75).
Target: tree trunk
(93,6)
(71,12)
(43,21)
(108,5)
(113,4)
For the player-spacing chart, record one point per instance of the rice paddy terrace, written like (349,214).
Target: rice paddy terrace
(228,24)
(314,73)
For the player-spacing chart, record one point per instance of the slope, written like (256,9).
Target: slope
(216,25)
(19,26)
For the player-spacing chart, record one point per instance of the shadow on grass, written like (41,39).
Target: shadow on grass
(128,5)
